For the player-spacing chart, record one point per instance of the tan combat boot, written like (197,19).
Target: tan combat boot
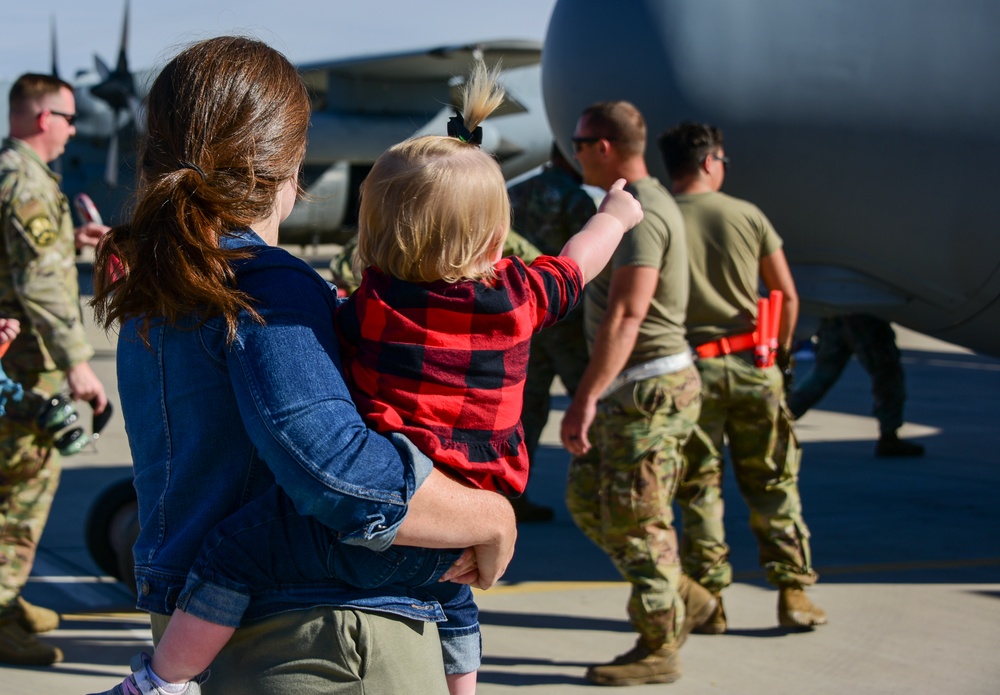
(716,623)
(639,665)
(35,619)
(796,610)
(22,648)
(699,606)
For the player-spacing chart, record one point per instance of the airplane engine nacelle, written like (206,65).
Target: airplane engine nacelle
(869,133)
(328,194)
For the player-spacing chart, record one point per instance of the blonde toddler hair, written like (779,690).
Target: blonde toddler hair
(435,207)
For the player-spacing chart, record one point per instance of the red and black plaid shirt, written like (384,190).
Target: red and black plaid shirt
(445,363)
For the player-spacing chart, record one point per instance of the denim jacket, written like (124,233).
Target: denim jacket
(213,425)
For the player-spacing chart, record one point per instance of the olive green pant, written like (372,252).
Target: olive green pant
(744,405)
(326,651)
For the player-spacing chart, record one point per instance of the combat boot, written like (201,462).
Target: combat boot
(22,648)
(639,665)
(892,445)
(796,610)
(716,623)
(35,619)
(699,606)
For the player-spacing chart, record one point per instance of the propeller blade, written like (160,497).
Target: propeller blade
(123,50)
(102,68)
(111,167)
(117,86)
(53,47)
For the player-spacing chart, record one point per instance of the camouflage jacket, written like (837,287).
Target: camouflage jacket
(38,280)
(549,208)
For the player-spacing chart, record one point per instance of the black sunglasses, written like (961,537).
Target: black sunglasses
(724,160)
(70,117)
(579,142)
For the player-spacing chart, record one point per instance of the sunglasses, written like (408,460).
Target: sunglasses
(579,142)
(70,117)
(724,160)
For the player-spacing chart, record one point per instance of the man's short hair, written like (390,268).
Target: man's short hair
(29,89)
(684,147)
(620,122)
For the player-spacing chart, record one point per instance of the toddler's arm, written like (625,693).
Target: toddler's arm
(593,246)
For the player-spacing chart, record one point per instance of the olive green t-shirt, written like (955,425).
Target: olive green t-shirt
(656,242)
(726,238)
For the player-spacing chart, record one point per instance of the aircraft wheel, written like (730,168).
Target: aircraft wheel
(112,527)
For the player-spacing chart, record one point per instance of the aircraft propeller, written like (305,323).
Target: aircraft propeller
(52,46)
(57,164)
(117,89)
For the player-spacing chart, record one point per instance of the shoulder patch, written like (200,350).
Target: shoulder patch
(36,222)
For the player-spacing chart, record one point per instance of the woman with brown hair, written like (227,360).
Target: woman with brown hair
(230,382)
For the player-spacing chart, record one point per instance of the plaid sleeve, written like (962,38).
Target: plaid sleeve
(557,285)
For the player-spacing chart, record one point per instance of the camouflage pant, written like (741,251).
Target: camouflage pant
(559,350)
(621,493)
(874,342)
(743,404)
(29,476)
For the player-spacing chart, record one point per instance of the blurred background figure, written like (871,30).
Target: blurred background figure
(873,342)
(549,208)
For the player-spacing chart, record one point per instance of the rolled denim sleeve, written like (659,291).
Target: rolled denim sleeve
(422,466)
(297,409)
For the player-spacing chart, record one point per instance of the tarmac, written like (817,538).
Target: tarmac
(908,552)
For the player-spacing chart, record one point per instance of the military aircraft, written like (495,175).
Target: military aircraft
(361,106)
(869,133)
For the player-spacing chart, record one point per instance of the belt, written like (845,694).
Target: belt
(647,370)
(727,345)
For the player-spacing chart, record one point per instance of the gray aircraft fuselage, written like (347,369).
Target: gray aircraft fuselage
(868,132)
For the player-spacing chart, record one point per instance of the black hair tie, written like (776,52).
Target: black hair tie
(457,129)
(194,167)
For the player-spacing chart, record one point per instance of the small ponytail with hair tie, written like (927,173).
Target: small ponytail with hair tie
(457,129)
(481,95)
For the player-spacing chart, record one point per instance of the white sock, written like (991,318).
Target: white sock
(166,686)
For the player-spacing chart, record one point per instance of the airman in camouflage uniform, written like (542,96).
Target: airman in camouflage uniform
(874,342)
(39,288)
(732,246)
(636,405)
(549,208)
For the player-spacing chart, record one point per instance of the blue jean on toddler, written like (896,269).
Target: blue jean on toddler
(267,543)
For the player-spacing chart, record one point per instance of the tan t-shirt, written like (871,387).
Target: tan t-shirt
(726,238)
(656,242)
